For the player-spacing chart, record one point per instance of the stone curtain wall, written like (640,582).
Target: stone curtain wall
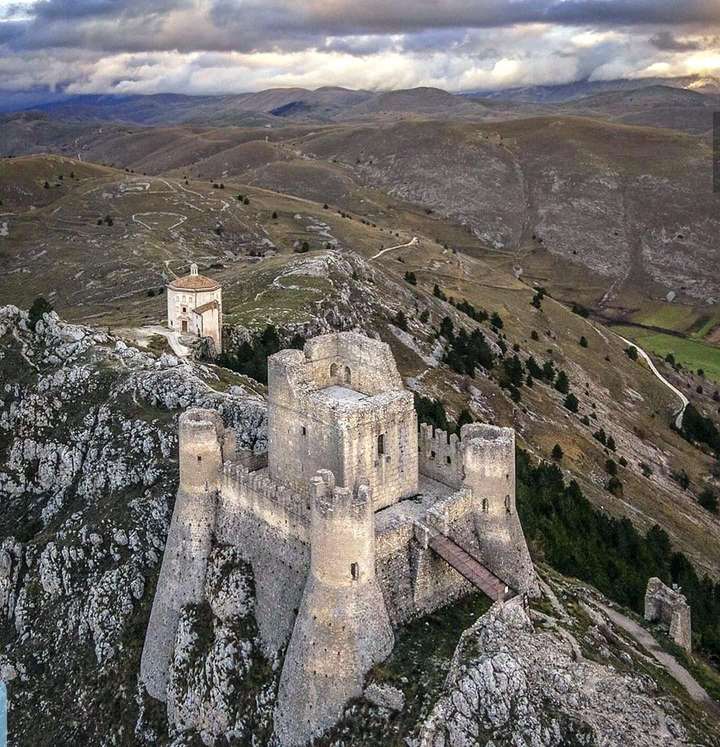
(280,564)
(278,506)
(440,456)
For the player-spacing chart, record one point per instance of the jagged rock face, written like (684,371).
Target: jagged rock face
(88,475)
(220,684)
(512,684)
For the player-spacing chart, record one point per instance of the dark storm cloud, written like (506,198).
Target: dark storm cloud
(666,41)
(47,10)
(248,25)
(344,17)
(216,45)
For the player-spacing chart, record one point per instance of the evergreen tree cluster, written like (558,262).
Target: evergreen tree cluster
(250,359)
(577,539)
(466,351)
(537,300)
(479,315)
(607,441)
(431,411)
(700,429)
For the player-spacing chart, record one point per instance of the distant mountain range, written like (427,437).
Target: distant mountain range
(558,94)
(332,104)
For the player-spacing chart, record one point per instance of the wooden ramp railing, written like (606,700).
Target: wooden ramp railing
(471,569)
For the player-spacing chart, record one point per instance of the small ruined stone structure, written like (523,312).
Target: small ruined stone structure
(195,306)
(669,607)
(354,523)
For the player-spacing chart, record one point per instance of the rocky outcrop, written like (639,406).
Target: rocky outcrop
(513,683)
(220,683)
(88,437)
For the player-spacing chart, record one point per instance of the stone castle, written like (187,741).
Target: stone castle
(354,522)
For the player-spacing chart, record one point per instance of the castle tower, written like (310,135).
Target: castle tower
(182,574)
(489,472)
(340,405)
(342,627)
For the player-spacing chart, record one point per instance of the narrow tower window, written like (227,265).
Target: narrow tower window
(381,444)
(348,375)
(507,503)
(354,571)
(333,370)
(199,458)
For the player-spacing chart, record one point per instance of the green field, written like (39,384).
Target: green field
(667,316)
(692,322)
(690,353)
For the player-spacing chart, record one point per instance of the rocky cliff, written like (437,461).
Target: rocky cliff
(88,473)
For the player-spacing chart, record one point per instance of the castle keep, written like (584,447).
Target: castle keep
(354,522)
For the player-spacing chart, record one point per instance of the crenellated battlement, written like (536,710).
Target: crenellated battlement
(440,455)
(338,502)
(255,492)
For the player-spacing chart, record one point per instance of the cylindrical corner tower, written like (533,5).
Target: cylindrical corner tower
(342,628)
(489,471)
(189,541)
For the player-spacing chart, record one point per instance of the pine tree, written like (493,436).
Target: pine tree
(561,383)
(39,307)
(571,402)
(496,321)
(708,500)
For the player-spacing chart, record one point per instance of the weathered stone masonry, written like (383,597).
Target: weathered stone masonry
(336,522)
(669,607)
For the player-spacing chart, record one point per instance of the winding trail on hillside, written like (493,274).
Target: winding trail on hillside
(412,242)
(685,401)
(679,673)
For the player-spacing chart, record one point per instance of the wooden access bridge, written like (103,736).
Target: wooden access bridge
(469,567)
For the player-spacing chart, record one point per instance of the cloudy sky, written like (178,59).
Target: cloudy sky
(216,46)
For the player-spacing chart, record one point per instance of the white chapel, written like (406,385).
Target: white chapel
(195,306)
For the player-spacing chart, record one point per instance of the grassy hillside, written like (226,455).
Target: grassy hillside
(111,274)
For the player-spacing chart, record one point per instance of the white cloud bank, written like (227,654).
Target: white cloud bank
(226,46)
